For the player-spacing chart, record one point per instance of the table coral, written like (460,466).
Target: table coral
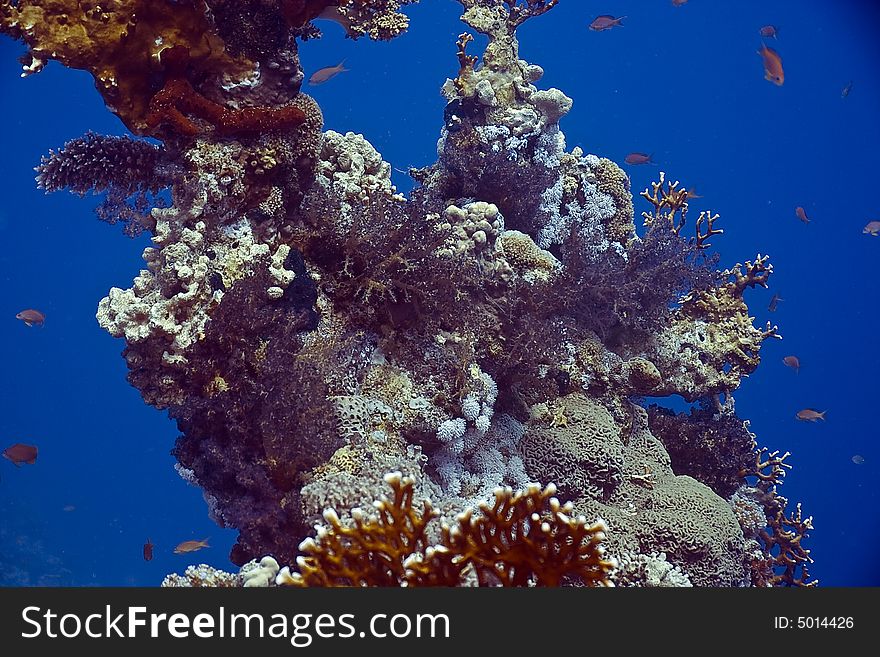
(310,329)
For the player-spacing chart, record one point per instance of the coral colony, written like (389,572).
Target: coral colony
(436,390)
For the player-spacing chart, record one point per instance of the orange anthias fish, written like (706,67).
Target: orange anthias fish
(772,65)
(31,317)
(692,193)
(769,31)
(801,214)
(20,453)
(638,158)
(679,3)
(810,415)
(148,551)
(872,228)
(793,362)
(327,73)
(605,22)
(191,546)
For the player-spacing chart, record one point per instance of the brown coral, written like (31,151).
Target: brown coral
(120,43)
(524,538)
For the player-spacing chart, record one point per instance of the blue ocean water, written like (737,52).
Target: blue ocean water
(682,83)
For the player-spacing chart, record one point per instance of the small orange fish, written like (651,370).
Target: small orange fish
(638,158)
(774,301)
(191,546)
(872,228)
(679,3)
(148,550)
(769,31)
(31,317)
(605,22)
(327,73)
(692,193)
(801,214)
(810,415)
(772,65)
(20,453)
(793,362)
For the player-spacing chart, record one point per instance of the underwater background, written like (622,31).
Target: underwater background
(683,83)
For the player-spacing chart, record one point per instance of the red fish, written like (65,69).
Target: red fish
(769,31)
(810,415)
(20,453)
(191,546)
(692,193)
(679,3)
(31,317)
(605,22)
(801,214)
(772,65)
(327,73)
(793,362)
(148,551)
(638,158)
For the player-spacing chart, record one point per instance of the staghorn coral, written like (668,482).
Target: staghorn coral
(311,329)
(524,538)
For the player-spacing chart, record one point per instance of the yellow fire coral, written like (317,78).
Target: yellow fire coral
(119,42)
(525,538)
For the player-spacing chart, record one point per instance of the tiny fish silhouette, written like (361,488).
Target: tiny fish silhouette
(191,546)
(845,92)
(872,228)
(327,73)
(333,14)
(793,362)
(802,214)
(638,158)
(679,3)
(773,71)
(774,301)
(692,193)
(68,508)
(858,459)
(810,415)
(605,22)
(769,31)
(31,317)
(148,550)
(20,453)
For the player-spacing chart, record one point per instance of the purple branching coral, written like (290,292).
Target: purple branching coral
(131,172)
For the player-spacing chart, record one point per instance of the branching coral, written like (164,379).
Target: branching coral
(130,171)
(670,200)
(782,560)
(523,538)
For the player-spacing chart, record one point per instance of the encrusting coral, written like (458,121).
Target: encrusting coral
(310,329)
